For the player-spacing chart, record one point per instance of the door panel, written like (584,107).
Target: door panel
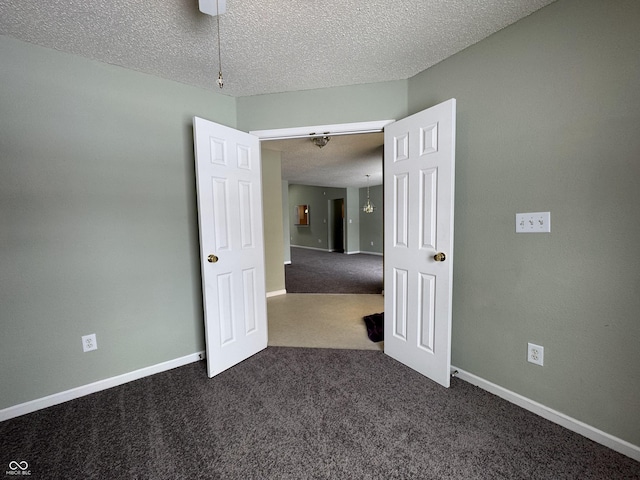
(401,210)
(231,231)
(419,194)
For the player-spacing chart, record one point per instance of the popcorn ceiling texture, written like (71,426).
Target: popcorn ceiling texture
(267,46)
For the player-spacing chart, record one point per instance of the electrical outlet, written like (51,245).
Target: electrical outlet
(535,354)
(89,343)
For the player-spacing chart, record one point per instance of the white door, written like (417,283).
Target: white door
(228,175)
(419,168)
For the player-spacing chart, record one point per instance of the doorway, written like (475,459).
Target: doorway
(335,237)
(332,305)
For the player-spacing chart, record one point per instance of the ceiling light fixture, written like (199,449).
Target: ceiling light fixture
(320,141)
(368,207)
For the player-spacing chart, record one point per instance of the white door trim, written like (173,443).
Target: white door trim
(320,130)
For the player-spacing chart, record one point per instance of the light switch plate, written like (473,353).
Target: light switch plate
(536,222)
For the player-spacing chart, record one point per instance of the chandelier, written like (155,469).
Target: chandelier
(368,207)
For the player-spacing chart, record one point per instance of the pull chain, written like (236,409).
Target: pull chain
(220,80)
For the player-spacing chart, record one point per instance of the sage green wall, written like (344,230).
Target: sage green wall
(549,120)
(316,234)
(273,224)
(355,222)
(98,220)
(356,103)
(371,224)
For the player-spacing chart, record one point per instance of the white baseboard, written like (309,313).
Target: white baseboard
(328,250)
(311,248)
(61,397)
(275,293)
(372,253)
(592,433)
(287,262)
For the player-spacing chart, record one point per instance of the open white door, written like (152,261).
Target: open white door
(419,167)
(229,185)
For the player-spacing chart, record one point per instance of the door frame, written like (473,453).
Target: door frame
(322,130)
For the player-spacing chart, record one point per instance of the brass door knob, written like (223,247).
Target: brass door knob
(212,258)
(439,257)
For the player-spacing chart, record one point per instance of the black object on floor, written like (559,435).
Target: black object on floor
(375,326)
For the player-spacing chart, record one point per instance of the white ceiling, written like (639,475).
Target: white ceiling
(267,46)
(343,162)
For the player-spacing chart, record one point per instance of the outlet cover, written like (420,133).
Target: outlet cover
(89,343)
(535,354)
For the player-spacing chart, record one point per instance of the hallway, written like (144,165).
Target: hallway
(322,320)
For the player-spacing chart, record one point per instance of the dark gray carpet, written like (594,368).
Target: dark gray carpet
(315,271)
(297,413)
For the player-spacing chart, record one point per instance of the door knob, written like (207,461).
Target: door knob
(439,257)
(212,258)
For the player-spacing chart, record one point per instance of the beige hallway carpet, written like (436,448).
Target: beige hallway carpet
(322,320)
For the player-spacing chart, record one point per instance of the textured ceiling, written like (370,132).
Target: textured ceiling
(267,46)
(271,46)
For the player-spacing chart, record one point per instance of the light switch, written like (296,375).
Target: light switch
(536,222)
